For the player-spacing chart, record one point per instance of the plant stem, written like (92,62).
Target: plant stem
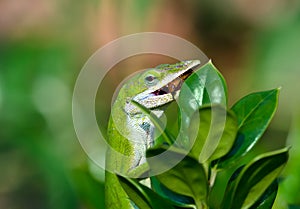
(212,177)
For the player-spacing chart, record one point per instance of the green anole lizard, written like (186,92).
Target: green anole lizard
(130,131)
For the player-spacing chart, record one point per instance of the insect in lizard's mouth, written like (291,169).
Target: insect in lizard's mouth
(175,85)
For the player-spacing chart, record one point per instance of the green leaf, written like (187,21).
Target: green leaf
(231,185)
(264,202)
(254,113)
(142,196)
(253,180)
(175,198)
(213,131)
(205,86)
(267,199)
(294,207)
(186,178)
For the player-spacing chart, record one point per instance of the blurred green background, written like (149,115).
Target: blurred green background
(44,44)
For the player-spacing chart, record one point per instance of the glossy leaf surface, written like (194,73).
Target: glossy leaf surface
(253,180)
(175,198)
(142,196)
(213,131)
(254,113)
(206,86)
(268,197)
(187,178)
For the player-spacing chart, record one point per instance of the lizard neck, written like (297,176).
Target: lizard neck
(135,127)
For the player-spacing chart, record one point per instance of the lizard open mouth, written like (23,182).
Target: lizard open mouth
(168,91)
(175,85)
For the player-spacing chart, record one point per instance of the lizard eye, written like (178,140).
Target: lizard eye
(151,80)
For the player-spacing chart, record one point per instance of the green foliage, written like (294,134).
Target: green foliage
(254,113)
(204,87)
(245,189)
(185,178)
(212,138)
(142,196)
(210,145)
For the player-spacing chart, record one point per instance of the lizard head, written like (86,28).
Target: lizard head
(161,85)
(155,87)
(151,88)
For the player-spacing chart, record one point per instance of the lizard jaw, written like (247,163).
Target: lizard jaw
(168,92)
